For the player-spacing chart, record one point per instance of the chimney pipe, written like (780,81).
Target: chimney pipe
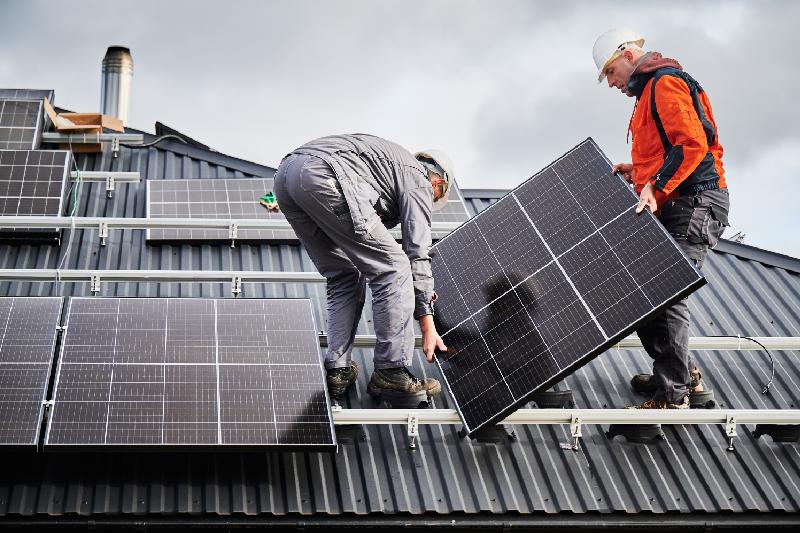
(115,83)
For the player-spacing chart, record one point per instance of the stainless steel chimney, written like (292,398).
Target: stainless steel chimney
(115,84)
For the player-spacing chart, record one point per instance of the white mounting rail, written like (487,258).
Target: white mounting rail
(110,178)
(695,343)
(92,138)
(576,418)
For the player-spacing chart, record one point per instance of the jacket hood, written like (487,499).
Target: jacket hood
(645,67)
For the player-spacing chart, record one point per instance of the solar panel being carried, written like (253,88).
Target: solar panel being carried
(28,330)
(230,199)
(20,124)
(190,372)
(547,278)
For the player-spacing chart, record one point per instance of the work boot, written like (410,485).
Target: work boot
(340,378)
(645,384)
(662,404)
(400,380)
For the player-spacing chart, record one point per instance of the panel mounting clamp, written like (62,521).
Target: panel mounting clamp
(236,285)
(95,284)
(103,233)
(233,233)
(413,430)
(730,431)
(575,430)
(110,186)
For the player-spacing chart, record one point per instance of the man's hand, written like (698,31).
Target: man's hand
(626,169)
(647,198)
(431,341)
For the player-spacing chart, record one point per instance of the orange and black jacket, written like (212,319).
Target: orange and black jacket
(675,142)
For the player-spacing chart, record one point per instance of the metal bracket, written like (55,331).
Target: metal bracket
(48,404)
(115,146)
(730,431)
(110,186)
(413,430)
(236,285)
(95,284)
(103,233)
(575,430)
(233,233)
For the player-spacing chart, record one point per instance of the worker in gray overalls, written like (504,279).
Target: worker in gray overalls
(340,194)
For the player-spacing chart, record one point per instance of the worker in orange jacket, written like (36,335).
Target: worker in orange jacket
(677,172)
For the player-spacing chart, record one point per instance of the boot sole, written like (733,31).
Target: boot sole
(397,399)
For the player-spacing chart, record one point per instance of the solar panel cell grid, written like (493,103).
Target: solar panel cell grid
(32,181)
(20,124)
(546,279)
(192,372)
(28,328)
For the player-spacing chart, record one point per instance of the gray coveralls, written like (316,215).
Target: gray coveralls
(340,194)
(696,222)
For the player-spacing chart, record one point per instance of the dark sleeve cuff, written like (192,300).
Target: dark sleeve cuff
(422,310)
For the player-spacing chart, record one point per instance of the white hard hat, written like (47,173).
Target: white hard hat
(610,45)
(445,170)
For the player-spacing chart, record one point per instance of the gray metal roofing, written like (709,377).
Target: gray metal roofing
(689,472)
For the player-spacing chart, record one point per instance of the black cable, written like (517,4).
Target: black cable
(768,385)
(156,141)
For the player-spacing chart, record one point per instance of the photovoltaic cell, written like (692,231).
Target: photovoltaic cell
(547,278)
(20,124)
(28,329)
(230,198)
(190,372)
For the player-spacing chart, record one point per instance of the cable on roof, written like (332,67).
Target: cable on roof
(768,385)
(156,141)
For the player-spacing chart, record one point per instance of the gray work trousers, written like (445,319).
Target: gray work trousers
(694,223)
(310,197)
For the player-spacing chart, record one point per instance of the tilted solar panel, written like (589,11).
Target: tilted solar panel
(546,279)
(191,372)
(28,330)
(27,94)
(20,124)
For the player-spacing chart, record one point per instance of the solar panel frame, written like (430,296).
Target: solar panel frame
(454,211)
(25,162)
(478,334)
(186,346)
(27,94)
(21,124)
(39,371)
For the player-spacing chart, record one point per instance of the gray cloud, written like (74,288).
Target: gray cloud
(505,86)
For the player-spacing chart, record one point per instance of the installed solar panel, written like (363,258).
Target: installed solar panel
(190,372)
(211,198)
(28,329)
(20,124)
(27,94)
(546,279)
(228,199)
(32,181)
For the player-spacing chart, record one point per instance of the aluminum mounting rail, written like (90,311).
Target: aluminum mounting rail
(104,224)
(96,277)
(92,138)
(575,418)
(695,343)
(110,178)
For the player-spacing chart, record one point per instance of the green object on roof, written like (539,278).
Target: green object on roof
(269,201)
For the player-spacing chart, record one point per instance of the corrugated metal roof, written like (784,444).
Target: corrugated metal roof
(689,472)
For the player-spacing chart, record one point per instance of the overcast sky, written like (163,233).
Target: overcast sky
(504,86)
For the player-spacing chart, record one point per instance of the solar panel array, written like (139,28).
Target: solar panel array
(28,330)
(190,372)
(32,181)
(231,198)
(20,124)
(544,280)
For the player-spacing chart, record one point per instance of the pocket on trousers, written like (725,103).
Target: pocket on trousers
(676,216)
